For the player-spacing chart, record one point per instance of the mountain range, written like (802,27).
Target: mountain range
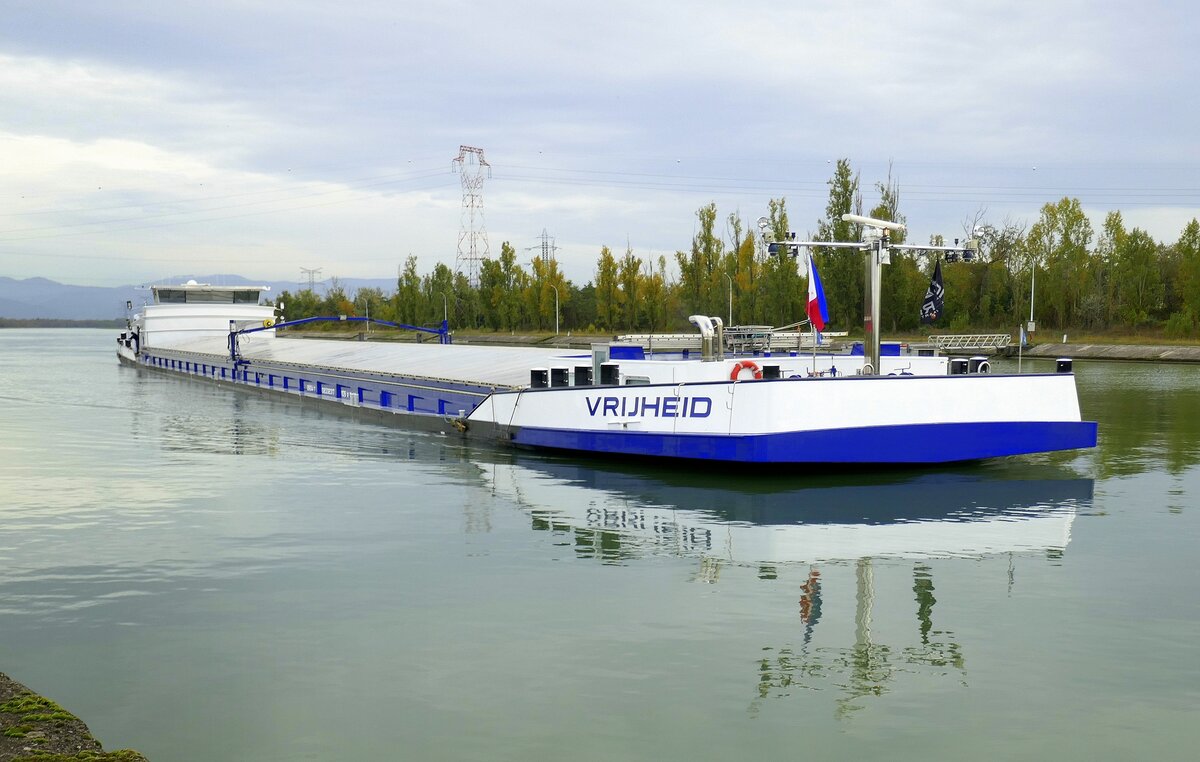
(43,298)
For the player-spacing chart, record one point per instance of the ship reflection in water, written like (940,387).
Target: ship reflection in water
(824,537)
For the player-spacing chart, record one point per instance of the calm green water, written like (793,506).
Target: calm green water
(205,575)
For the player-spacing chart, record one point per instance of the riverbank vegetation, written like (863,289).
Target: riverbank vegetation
(1114,280)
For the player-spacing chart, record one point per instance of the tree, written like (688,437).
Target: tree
(1005,250)
(699,270)
(902,285)
(513,280)
(841,270)
(1059,240)
(1125,279)
(1187,250)
(747,272)
(542,300)
(501,282)
(491,292)
(629,271)
(303,304)
(467,299)
(654,290)
(1139,283)
(782,296)
(1103,296)
(580,310)
(370,302)
(608,306)
(408,297)
(336,302)
(437,296)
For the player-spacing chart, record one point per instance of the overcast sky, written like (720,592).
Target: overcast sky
(144,139)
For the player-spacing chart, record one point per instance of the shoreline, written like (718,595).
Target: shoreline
(1125,352)
(32,727)
(1167,353)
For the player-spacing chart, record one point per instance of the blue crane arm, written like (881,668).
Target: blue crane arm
(442,331)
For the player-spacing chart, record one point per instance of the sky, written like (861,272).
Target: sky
(139,140)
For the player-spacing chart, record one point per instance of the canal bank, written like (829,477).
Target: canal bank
(1050,350)
(1127,352)
(33,727)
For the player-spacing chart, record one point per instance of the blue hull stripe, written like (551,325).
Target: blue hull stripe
(917,443)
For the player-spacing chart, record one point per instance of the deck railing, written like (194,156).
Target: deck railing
(736,340)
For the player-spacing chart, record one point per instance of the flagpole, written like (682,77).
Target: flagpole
(815,309)
(814,330)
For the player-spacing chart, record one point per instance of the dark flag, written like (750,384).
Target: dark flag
(932,306)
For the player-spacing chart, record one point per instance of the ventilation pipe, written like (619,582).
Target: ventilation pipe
(706,335)
(719,338)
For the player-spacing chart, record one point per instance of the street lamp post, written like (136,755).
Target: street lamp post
(728,278)
(445,308)
(555,308)
(1032,279)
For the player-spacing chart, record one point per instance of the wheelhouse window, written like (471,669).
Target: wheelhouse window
(206,296)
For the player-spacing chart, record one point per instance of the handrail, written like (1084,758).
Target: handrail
(442,332)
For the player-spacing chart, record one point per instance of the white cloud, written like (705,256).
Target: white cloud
(279,135)
(89,101)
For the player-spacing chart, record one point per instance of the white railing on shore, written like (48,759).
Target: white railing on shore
(977,341)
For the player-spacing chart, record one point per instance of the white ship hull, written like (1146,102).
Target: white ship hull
(870,419)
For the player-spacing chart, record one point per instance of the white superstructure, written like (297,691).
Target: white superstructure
(183,313)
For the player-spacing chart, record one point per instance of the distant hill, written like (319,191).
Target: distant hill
(44,298)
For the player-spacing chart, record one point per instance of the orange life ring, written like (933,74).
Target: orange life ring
(745,365)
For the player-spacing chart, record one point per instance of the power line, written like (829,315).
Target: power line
(193,221)
(297,197)
(351,184)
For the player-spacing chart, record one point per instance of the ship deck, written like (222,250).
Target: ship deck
(491,366)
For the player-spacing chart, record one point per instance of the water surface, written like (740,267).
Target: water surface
(204,574)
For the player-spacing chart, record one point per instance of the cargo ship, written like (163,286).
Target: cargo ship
(872,408)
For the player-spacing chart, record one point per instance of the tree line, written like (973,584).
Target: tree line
(1082,279)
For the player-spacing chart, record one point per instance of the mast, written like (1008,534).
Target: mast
(875,245)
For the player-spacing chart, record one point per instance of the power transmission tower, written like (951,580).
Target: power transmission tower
(311,274)
(547,247)
(472,236)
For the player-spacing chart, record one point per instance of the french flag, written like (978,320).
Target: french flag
(818,313)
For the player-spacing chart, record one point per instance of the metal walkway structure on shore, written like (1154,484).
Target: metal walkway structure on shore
(978,342)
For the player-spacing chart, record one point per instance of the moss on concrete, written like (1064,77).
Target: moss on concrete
(33,727)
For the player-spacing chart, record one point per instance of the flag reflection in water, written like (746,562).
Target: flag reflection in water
(824,534)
